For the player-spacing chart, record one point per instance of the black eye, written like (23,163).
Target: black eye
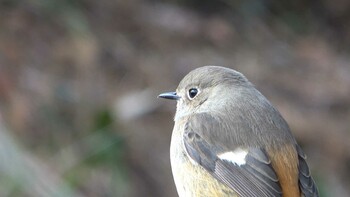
(192,92)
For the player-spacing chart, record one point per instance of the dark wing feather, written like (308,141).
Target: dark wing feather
(254,178)
(306,183)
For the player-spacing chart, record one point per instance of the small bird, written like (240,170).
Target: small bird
(228,140)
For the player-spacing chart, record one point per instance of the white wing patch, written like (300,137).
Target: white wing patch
(236,157)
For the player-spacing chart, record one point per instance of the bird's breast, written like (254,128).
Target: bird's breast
(191,179)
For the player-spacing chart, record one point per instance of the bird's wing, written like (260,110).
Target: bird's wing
(248,171)
(306,183)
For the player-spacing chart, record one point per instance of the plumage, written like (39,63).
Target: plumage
(307,184)
(219,111)
(255,178)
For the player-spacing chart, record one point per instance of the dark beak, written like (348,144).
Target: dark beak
(169,95)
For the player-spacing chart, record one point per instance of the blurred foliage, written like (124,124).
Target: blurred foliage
(300,16)
(10,187)
(105,149)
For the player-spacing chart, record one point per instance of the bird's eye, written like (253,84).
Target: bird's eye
(192,93)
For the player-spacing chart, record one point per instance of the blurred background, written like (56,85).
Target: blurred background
(79,80)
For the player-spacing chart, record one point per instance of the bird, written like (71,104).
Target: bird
(229,140)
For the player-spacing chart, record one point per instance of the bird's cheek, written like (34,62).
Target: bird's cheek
(179,104)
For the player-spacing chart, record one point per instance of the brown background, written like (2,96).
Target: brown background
(79,80)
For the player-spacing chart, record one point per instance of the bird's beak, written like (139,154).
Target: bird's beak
(169,95)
